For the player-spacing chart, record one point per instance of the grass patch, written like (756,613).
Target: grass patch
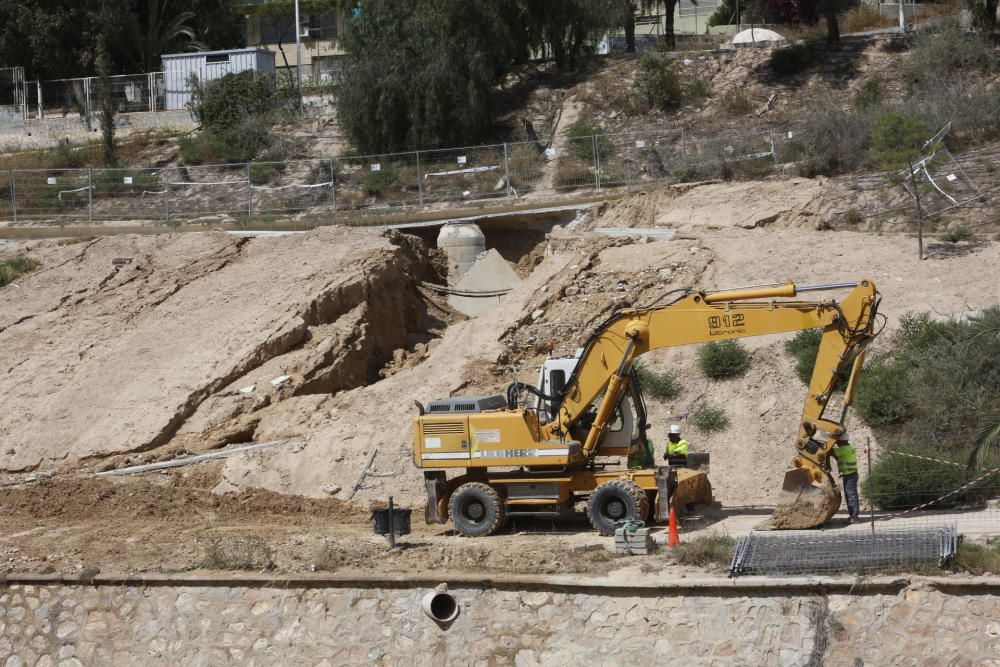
(698,90)
(583,137)
(710,419)
(664,384)
(705,551)
(736,103)
(956,234)
(88,574)
(238,553)
(978,559)
(723,359)
(12,269)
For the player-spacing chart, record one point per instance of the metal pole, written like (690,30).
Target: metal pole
(871,501)
(392,527)
(249,193)
(506,170)
(38,88)
(333,187)
(90,194)
(774,149)
(298,56)
(902,17)
(13,195)
(597,163)
(166,193)
(86,102)
(420,181)
(152,95)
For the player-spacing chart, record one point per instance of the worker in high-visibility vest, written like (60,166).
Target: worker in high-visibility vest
(677,453)
(847,466)
(677,447)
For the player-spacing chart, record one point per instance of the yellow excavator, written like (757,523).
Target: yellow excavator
(541,457)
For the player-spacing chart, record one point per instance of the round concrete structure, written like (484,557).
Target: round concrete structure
(462,243)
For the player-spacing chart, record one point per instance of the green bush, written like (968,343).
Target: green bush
(659,83)
(723,359)
(945,52)
(268,168)
(794,59)
(710,419)
(956,234)
(378,183)
(698,90)
(869,96)
(12,269)
(582,138)
(900,482)
(658,384)
(883,395)
(804,346)
(225,103)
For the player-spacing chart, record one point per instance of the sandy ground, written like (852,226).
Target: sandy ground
(109,367)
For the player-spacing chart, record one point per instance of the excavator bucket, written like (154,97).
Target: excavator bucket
(804,502)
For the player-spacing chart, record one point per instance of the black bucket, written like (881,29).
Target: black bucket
(400,521)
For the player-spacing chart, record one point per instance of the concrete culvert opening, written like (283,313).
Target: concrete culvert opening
(442,607)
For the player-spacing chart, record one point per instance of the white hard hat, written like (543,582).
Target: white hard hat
(675,429)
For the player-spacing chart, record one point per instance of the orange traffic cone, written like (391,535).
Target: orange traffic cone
(673,536)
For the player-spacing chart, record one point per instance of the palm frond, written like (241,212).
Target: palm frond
(986,442)
(985,326)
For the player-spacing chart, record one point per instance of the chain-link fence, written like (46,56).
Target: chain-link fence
(12,94)
(914,508)
(61,98)
(243,191)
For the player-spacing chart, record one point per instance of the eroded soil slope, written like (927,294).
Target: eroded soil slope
(102,359)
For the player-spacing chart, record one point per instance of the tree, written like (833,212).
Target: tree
(566,26)
(422,73)
(984,13)
(629,8)
(811,10)
(105,101)
(898,143)
(157,28)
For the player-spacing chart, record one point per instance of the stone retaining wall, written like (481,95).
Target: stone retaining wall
(336,623)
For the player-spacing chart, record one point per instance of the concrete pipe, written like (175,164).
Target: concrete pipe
(462,244)
(441,606)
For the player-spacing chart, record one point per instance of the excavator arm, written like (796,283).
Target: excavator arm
(698,317)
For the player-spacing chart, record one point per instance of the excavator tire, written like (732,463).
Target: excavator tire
(477,510)
(614,501)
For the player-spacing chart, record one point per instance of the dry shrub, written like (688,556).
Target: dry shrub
(238,553)
(572,173)
(705,550)
(863,17)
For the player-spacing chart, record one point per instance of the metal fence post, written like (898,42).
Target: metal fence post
(249,193)
(420,181)
(506,170)
(774,149)
(166,194)
(152,94)
(333,186)
(87,110)
(90,194)
(871,501)
(13,195)
(683,149)
(38,89)
(597,163)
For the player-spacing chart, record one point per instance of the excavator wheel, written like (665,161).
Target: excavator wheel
(614,501)
(477,510)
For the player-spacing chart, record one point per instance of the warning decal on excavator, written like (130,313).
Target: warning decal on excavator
(728,324)
(487,435)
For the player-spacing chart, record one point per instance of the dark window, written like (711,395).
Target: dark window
(217,59)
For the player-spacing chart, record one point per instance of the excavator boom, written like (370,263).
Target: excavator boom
(809,498)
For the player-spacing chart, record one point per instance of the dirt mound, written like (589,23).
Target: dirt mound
(191,335)
(797,202)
